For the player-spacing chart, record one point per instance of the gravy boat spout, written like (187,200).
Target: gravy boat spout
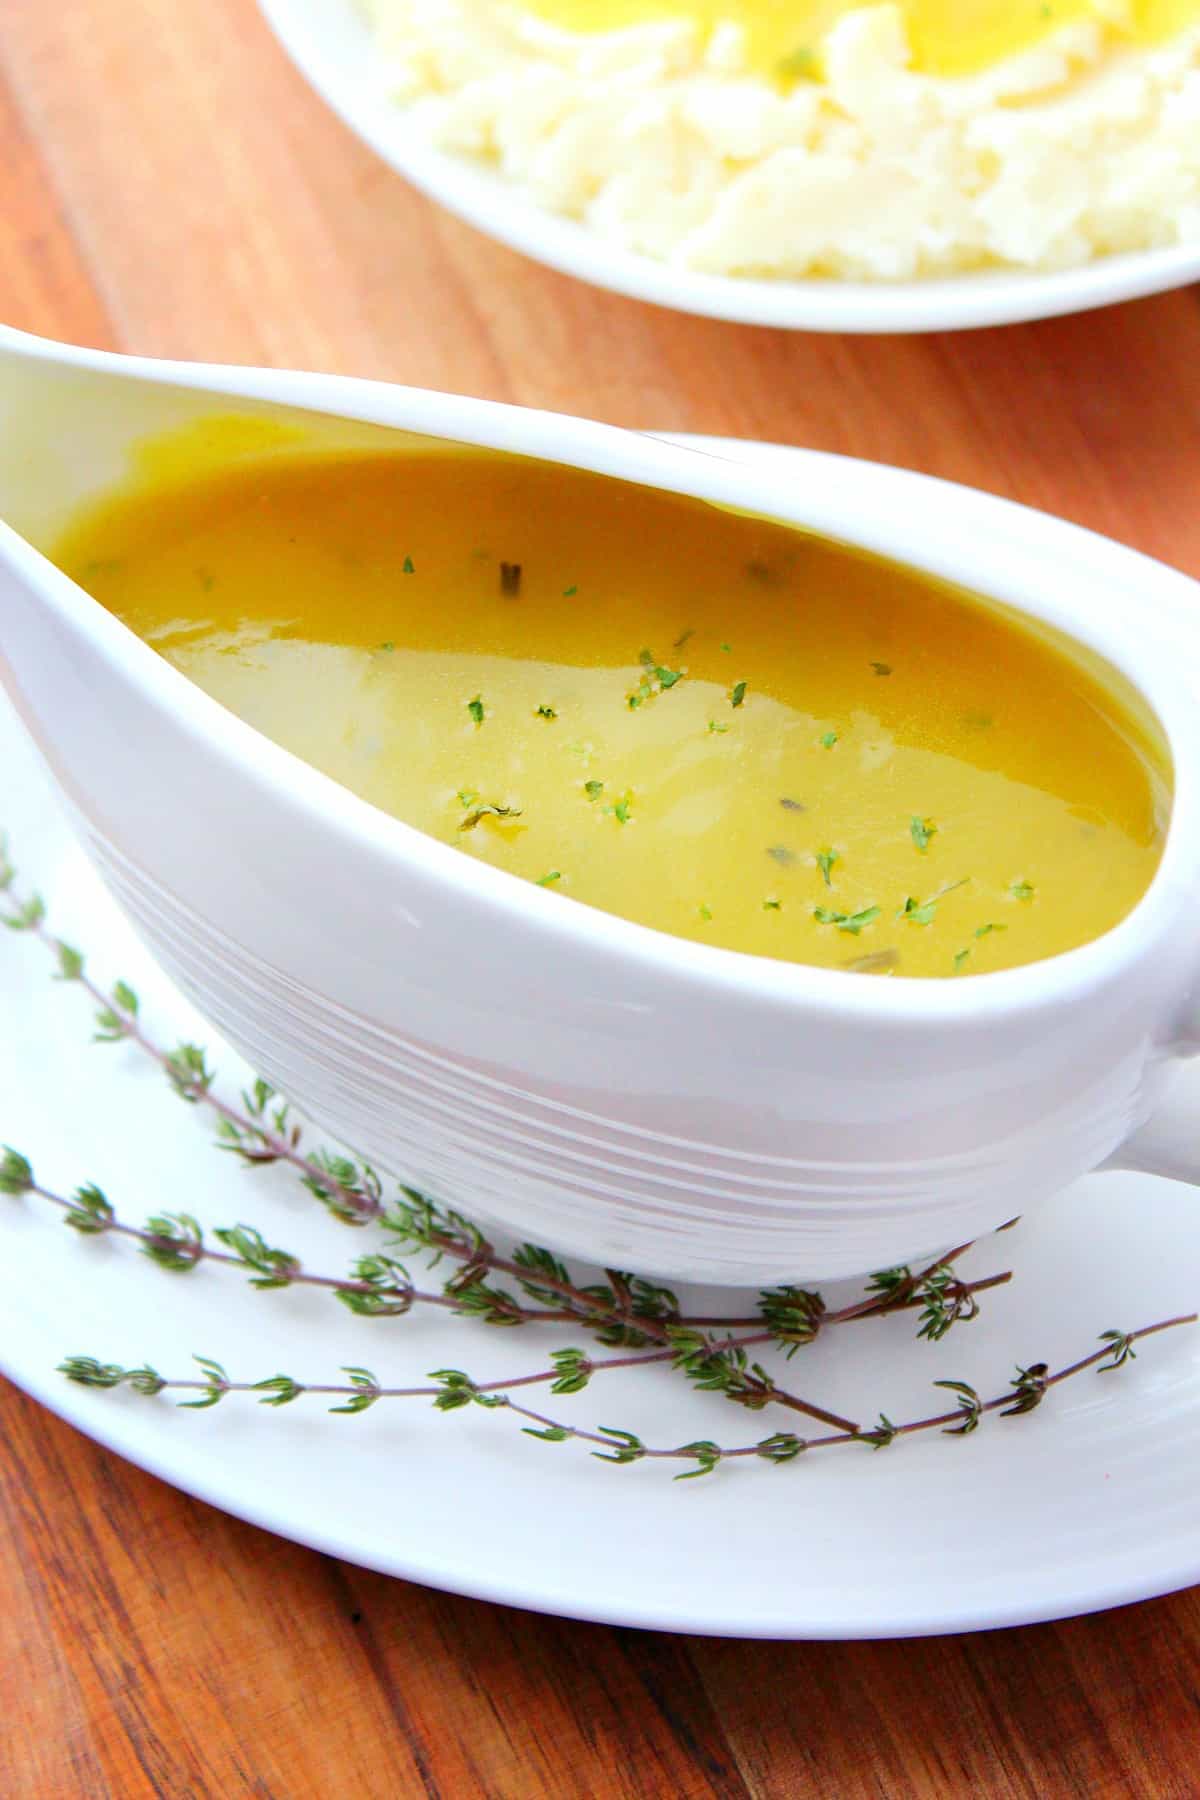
(587,1083)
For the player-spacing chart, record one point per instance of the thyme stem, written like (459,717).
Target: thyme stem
(201,1092)
(455,1389)
(301,1277)
(198,1251)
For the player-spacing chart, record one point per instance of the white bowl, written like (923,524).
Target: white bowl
(332,46)
(637,1099)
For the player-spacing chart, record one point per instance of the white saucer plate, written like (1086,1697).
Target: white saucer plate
(331,45)
(1086,1503)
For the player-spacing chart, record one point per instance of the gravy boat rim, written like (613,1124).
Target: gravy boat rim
(652,461)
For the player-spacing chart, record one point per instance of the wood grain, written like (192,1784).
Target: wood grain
(167,185)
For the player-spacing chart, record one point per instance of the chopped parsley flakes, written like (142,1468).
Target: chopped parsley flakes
(923,912)
(921,830)
(851,922)
(656,679)
(475,708)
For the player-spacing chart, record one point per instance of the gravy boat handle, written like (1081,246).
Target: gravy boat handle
(1168,1144)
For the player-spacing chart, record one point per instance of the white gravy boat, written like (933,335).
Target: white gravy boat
(633,1098)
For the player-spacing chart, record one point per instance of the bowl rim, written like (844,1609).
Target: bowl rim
(331,46)
(847,488)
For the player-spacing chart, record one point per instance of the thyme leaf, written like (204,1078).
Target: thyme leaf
(488,810)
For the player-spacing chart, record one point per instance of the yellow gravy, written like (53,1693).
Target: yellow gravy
(717,726)
(948,37)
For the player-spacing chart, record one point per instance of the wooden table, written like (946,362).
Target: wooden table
(167,185)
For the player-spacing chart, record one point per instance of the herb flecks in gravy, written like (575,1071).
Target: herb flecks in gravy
(904,755)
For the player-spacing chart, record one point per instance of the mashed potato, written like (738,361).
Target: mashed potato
(661,139)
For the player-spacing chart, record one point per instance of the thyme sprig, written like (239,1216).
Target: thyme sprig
(624,1311)
(262,1131)
(627,1312)
(376,1286)
(379,1286)
(450,1390)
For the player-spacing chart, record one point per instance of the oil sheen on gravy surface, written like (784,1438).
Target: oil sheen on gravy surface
(949,37)
(714,725)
